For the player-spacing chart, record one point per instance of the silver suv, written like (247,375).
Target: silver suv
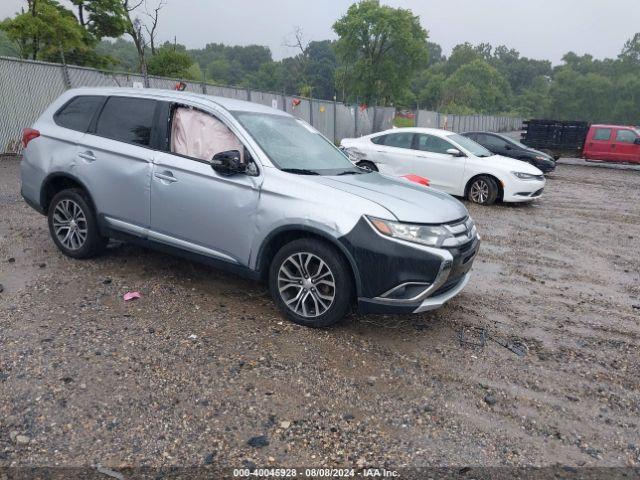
(247,188)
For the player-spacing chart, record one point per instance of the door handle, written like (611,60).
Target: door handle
(166,176)
(88,156)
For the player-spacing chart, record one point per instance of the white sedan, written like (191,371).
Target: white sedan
(453,164)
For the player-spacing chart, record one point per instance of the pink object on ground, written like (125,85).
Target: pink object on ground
(417,179)
(131,295)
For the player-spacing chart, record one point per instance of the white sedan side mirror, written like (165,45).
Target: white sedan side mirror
(455,152)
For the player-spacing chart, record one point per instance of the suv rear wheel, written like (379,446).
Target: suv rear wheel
(310,283)
(73,225)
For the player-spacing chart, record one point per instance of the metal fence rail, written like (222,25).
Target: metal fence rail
(28,87)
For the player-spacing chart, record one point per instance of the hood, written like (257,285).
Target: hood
(408,202)
(513,165)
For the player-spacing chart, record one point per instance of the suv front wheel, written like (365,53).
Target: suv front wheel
(310,283)
(73,225)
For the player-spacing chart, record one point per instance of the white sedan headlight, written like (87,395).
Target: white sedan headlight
(354,154)
(526,176)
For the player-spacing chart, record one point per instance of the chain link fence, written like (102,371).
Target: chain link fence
(28,87)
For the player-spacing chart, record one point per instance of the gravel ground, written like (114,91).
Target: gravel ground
(203,370)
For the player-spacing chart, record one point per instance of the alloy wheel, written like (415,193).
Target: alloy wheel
(70,224)
(306,284)
(479,191)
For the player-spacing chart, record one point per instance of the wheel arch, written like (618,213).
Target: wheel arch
(497,180)
(58,181)
(283,235)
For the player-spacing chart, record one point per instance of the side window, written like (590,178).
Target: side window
(625,136)
(602,134)
(399,140)
(78,113)
(494,142)
(430,143)
(127,119)
(199,135)
(379,140)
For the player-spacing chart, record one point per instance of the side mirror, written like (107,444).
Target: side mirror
(455,152)
(637,141)
(228,163)
(508,147)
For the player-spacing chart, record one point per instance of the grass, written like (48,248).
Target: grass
(400,122)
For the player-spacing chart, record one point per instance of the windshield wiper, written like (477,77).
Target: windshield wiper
(300,171)
(353,172)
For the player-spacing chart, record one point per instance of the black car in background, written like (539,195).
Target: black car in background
(505,146)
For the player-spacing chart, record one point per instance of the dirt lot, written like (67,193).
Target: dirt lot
(201,364)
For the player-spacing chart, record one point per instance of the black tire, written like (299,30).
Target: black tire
(367,165)
(321,313)
(93,243)
(486,193)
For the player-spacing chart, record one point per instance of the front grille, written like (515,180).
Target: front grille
(463,233)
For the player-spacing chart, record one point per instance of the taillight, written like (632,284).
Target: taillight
(29,134)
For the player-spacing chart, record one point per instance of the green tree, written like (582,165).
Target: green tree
(122,54)
(7,47)
(534,101)
(576,96)
(380,48)
(102,18)
(170,62)
(478,88)
(461,55)
(45,31)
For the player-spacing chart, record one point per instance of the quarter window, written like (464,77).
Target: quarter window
(602,134)
(430,143)
(77,114)
(399,140)
(128,120)
(626,136)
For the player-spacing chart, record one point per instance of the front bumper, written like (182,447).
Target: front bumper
(435,302)
(399,277)
(523,190)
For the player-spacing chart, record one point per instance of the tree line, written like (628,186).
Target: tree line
(383,56)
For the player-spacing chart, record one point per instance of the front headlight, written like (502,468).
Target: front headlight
(540,157)
(354,154)
(525,176)
(432,236)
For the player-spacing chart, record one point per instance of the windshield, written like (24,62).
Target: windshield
(294,146)
(513,142)
(469,145)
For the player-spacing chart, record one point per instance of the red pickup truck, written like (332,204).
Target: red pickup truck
(608,143)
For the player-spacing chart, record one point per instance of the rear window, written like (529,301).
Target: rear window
(77,113)
(128,120)
(602,134)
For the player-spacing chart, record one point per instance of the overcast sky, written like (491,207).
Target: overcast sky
(544,29)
